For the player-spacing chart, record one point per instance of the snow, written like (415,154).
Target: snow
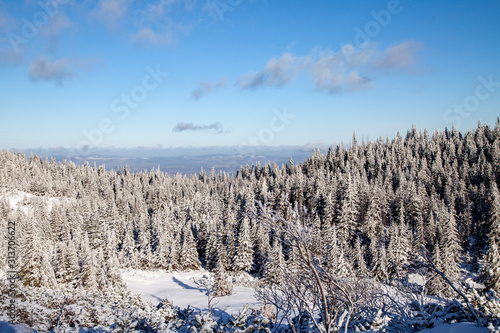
(16,197)
(13,198)
(5,327)
(457,328)
(180,289)
(416,278)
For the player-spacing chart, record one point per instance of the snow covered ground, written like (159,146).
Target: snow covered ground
(457,328)
(16,197)
(181,290)
(5,327)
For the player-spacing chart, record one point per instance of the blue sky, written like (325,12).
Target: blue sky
(84,74)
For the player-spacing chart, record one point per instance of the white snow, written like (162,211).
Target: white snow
(13,198)
(5,327)
(457,328)
(416,278)
(16,197)
(181,290)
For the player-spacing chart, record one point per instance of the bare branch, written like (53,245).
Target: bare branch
(430,265)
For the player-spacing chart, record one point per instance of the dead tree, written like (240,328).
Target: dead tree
(430,264)
(309,288)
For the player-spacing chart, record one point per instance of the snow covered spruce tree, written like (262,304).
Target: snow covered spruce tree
(491,270)
(189,255)
(243,258)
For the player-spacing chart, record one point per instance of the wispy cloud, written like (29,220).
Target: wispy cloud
(56,71)
(163,22)
(278,72)
(53,30)
(401,57)
(150,23)
(222,82)
(181,127)
(110,12)
(207,87)
(11,51)
(146,36)
(333,72)
(17,36)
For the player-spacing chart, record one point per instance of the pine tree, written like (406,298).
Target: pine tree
(222,287)
(379,270)
(262,249)
(189,253)
(211,250)
(71,262)
(35,268)
(274,269)
(450,246)
(88,278)
(491,271)
(243,258)
(349,212)
(398,248)
(336,262)
(173,262)
(436,285)
(359,260)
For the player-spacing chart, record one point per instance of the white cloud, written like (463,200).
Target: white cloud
(56,71)
(45,70)
(401,57)
(111,11)
(349,69)
(146,36)
(11,52)
(181,127)
(207,87)
(222,82)
(163,22)
(277,73)
(53,30)
(333,73)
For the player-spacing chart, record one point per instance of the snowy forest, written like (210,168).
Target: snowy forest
(357,221)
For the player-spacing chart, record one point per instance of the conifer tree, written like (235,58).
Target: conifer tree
(397,253)
(491,271)
(336,262)
(359,260)
(243,258)
(274,268)
(450,245)
(379,270)
(88,266)
(173,254)
(222,287)
(262,249)
(35,268)
(189,253)
(349,211)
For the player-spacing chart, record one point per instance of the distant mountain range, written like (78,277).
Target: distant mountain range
(187,161)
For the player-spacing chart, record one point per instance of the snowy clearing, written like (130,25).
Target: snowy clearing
(181,290)
(457,328)
(14,198)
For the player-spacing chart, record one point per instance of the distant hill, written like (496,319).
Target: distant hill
(186,161)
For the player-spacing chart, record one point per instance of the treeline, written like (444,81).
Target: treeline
(373,207)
